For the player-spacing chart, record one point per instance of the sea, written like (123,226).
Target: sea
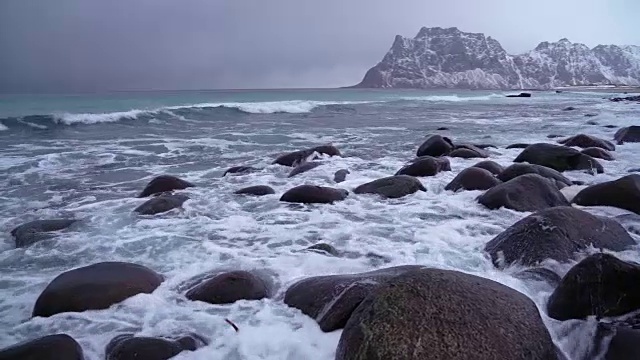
(88,156)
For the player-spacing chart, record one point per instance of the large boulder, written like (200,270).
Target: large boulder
(164,183)
(473,178)
(331,299)
(623,193)
(304,167)
(311,194)
(443,314)
(518,146)
(51,347)
(435,145)
(340,175)
(392,187)
(425,166)
(529,192)
(94,287)
(34,231)
(240,170)
(627,134)
(468,151)
(257,190)
(129,347)
(298,157)
(598,153)
(556,233)
(161,203)
(515,170)
(323,249)
(587,141)
(558,157)
(491,166)
(624,343)
(600,285)
(524,95)
(229,287)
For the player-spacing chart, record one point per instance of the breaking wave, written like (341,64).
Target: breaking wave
(453,98)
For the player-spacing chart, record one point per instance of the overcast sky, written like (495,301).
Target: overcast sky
(98,45)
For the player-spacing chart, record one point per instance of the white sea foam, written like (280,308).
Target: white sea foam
(271,107)
(3,127)
(453,98)
(90,118)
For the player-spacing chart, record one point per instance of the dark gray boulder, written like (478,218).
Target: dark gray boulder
(95,287)
(627,134)
(425,166)
(229,287)
(556,233)
(392,187)
(539,274)
(300,156)
(490,166)
(240,170)
(587,141)
(569,108)
(529,192)
(435,145)
(623,193)
(129,347)
(311,194)
(598,153)
(517,146)
(161,203)
(515,170)
(443,314)
(51,347)
(257,190)
(468,151)
(164,183)
(34,231)
(323,248)
(558,157)
(304,167)
(524,95)
(600,285)
(473,178)
(624,344)
(331,299)
(340,175)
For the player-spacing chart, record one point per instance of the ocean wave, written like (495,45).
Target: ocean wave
(3,127)
(453,98)
(96,118)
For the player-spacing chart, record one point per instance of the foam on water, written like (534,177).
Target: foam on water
(454,98)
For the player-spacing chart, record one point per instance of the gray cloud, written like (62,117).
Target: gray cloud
(96,45)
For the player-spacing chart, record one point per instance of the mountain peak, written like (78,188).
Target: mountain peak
(436,31)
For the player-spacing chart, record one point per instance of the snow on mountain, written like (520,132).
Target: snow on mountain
(450,58)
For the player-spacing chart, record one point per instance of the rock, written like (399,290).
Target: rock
(310,194)
(227,288)
(518,146)
(467,153)
(556,233)
(392,187)
(559,91)
(435,145)
(94,287)
(539,274)
(590,115)
(591,122)
(624,345)
(623,193)
(300,156)
(443,128)
(164,183)
(598,153)
(324,249)
(240,170)
(425,166)
(628,98)
(516,170)
(34,231)
(610,126)
(331,299)
(443,314)
(529,192)
(485,146)
(473,178)
(51,347)
(627,134)
(128,347)
(304,167)
(257,190)
(569,108)
(557,157)
(490,166)
(519,95)
(600,285)
(161,203)
(633,170)
(553,136)
(587,141)
(340,175)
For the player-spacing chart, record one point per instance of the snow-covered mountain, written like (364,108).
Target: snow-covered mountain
(450,58)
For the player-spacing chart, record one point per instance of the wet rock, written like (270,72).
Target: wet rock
(598,153)
(467,153)
(627,134)
(323,248)
(443,314)
(52,347)
(557,157)
(591,122)
(569,108)
(627,98)
(516,170)
(311,194)
(518,146)
(521,95)
(590,115)
(331,299)
(623,193)
(530,192)
(340,175)
(240,170)
(485,146)
(556,233)
(473,178)
(34,231)
(610,126)
(425,166)
(435,145)
(164,183)
(624,345)
(553,136)
(304,167)
(257,190)
(490,166)
(128,347)
(443,128)
(160,204)
(227,288)
(600,285)
(634,170)
(300,156)
(392,187)
(539,274)
(94,287)
(587,141)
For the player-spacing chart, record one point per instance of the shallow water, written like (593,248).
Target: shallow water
(88,157)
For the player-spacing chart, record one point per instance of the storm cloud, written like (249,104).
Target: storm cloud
(97,45)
